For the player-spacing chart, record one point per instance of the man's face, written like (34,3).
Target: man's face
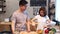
(23,7)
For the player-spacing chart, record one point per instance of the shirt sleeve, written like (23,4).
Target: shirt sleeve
(47,17)
(28,18)
(13,18)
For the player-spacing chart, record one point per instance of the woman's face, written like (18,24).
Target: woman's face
(42,13)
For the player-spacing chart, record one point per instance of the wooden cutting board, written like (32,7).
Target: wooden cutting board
(24,32)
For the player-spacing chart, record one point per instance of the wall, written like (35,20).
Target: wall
(11,6)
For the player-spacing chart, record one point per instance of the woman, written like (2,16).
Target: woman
(42,19)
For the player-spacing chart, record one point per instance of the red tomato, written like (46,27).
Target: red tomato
(46,31)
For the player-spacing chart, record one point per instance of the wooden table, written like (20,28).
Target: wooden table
(5,25)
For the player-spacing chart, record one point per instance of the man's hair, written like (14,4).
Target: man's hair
(22,2)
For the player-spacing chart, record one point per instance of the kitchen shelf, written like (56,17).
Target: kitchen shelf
(2,6)
(2,12)
(2,1)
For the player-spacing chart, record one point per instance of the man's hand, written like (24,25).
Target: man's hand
(28,26)
(13,33)
(28,30)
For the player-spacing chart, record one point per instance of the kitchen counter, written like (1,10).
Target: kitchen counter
(25,32)
(5,26)
(5,23)
(32,32)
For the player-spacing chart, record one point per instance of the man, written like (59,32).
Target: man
(20,20)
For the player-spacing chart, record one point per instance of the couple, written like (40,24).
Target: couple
(21,21)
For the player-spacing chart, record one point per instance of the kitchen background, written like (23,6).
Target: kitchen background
(12,5)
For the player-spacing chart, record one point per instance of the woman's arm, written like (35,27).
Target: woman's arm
(33,23)
(48,20)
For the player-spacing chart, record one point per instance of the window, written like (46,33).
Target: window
(38,2)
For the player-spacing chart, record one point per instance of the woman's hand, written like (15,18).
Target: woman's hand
(45,26)
(48,21)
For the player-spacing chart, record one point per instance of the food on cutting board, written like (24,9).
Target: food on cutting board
(40,31)
(50,30)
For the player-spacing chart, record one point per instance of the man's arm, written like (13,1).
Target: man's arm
(28,22)
(28,25)
(13,26)
(13,19)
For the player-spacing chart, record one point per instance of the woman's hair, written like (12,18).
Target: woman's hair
(44,9)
